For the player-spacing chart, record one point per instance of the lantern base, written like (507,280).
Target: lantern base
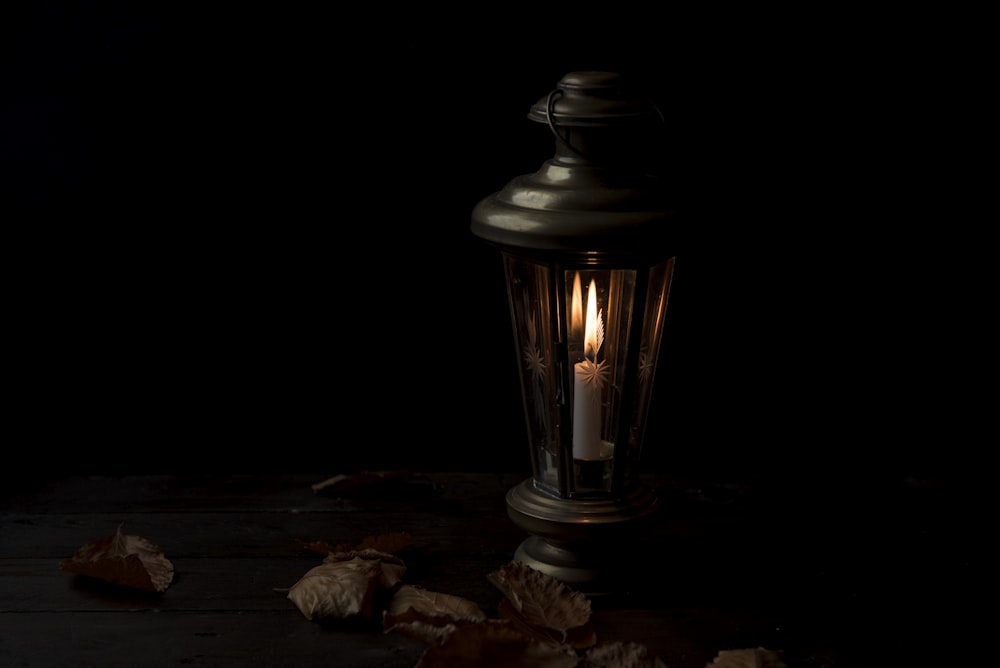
(581,571)
(584,543)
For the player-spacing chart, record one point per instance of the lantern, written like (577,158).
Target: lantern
(588,249)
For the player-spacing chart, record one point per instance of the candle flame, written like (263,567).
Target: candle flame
(590,336)
(576,307)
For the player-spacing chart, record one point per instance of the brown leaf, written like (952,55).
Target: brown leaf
(412,602)
(578,637)
(392,568)
(621,655)
(429,634)
(427,615)
(319,546)
(387,542)
(494,642)
(123,559)
(364,481)
(338,590)
(543,606)
(747,658)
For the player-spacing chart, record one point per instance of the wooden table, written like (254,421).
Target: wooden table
(831,579)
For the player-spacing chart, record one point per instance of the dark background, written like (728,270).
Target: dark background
(238,239)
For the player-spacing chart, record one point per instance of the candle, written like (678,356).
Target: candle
(589,377)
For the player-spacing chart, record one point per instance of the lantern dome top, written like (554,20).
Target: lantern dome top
(602,197)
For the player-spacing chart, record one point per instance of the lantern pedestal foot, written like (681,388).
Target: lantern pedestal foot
(584,543)
(584,571)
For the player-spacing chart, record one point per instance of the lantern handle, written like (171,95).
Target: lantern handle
(550,103)
(551,123)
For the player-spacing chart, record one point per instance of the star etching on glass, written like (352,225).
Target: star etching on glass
(594,374)
(535,363)
(590,371)
(645,367)
(533,358)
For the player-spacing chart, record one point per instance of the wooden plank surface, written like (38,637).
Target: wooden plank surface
(720,570)
(212,638)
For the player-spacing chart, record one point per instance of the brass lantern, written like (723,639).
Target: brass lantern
(588,244)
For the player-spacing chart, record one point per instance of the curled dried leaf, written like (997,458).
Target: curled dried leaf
(494,642)
(621,655)
(390,542)
(365,481)
(387,542)
(337,590)
(757,657)
(392,568)
(429,634)
(428,615)
(123,559)
(543,606)
(416,602)
(578,637)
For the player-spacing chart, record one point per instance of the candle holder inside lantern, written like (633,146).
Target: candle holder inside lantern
(588,248)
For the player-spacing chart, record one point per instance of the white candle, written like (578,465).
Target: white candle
(588,380)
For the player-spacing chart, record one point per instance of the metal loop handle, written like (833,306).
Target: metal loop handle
(550,103)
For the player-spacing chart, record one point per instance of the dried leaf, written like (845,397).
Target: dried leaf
(429,634)
(427,615)
(338,589)
(123,559)
(389,542)
(319,546)
(412,602)
(578,637)
(392,568)
(621,655)
(747,658)
(363,481)
(543,606)
(494,642)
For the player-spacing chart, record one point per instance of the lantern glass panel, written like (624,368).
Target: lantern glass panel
(530,294)
(585,372)
(654,313)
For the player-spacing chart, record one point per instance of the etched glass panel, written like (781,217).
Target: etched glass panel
(530,295)
(654,313)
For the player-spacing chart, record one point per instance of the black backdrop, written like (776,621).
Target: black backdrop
(238,239)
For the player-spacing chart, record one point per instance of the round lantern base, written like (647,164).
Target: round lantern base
(582,571)
(584,543)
